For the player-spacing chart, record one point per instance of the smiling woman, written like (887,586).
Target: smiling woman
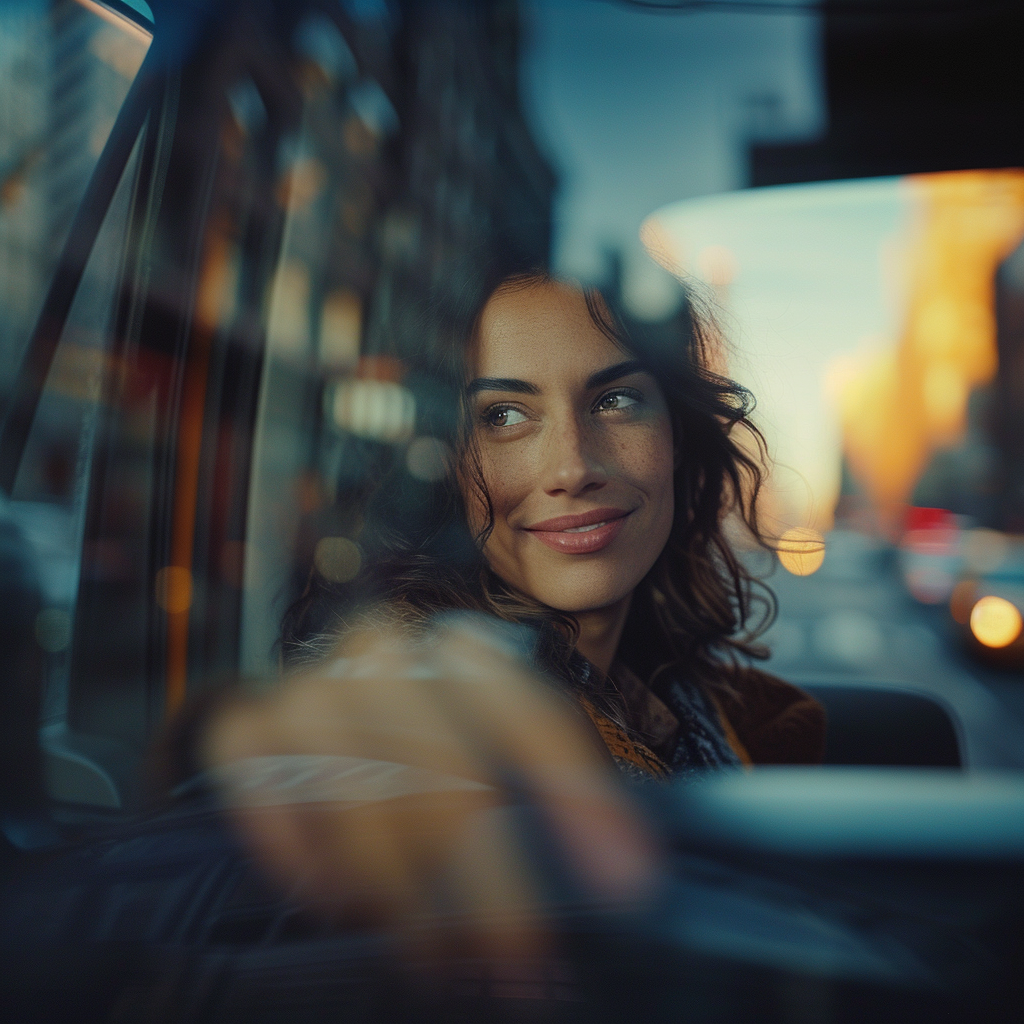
(594,465)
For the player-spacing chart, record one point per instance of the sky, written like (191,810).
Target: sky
(638,109)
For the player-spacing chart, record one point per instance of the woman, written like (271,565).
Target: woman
(591,473)
(596,465)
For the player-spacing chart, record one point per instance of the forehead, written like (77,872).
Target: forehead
(540,326)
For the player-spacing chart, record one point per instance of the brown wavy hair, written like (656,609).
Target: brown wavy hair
(696,612)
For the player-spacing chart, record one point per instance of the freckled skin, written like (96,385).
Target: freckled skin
(566,450)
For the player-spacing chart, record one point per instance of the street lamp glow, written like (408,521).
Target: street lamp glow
(801,551)
(995,622)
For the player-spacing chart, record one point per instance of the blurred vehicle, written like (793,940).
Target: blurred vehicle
(987,601)
(978,573)
(931,554)
(213,228)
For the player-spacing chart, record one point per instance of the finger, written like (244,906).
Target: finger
(554,757)
(493,886)
(507,694)
(381,704)
(304,815)
(364,864)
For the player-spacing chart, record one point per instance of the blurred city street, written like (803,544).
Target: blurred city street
(854,619)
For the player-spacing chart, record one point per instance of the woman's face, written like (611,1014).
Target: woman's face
(575,447)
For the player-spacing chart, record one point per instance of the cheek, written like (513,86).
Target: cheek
(503,479)
(654,465)
(651,460)
(510,474)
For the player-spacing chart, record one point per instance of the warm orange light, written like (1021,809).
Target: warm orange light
(174,589)
(900,405)
(996,622)
(945,392)
(801,551)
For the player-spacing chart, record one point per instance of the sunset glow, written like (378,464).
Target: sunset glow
(861,315)
(901,404)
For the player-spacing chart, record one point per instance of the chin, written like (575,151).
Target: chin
(576,587)
(585,598)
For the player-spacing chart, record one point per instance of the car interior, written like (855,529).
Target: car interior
(200,401)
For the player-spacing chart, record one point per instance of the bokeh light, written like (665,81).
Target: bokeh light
(428,459)
(337,559)
(996,622)
(380,410)
(341,318)
(801,551)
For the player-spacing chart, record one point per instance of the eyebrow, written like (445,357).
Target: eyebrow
(520,387)
(606,376)
(524,387)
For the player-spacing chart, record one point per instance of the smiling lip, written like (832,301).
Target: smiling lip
(581,534)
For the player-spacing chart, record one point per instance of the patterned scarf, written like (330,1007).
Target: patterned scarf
(704,738)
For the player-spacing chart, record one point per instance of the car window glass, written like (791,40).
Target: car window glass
(65,69)
(51,489)
(331,184)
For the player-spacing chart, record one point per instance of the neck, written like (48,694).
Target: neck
(600,633)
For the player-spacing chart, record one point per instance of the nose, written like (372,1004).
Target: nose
(572,460)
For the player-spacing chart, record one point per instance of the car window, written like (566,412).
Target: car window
(217,404)
(333,187)
(52,131)
(57,131)
(236,267)
(51,489)
(187,487)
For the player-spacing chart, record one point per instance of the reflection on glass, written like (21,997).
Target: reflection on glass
(380,410)
(337,559)
(65,69)
(861,314)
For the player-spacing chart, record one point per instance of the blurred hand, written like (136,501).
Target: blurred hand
(371,787)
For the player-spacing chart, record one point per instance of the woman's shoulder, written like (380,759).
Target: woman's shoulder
(777,722)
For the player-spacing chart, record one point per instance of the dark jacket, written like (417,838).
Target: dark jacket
(776,722)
